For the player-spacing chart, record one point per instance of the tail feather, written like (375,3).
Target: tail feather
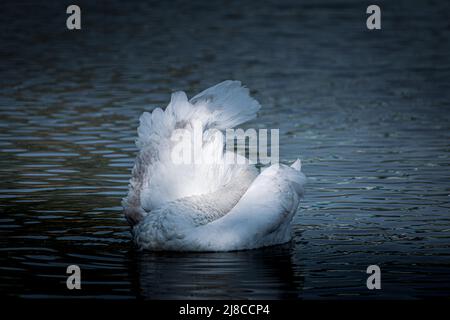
(297,165)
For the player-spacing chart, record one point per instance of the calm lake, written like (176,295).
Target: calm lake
(368,112)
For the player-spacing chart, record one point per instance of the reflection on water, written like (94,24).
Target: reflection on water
(230,275)
(368,113)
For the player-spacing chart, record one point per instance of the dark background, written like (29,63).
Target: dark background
(367,111)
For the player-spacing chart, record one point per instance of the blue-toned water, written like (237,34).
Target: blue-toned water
(367,111)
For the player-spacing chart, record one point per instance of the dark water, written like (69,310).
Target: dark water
(368,112)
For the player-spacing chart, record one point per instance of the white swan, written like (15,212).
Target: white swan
(207,207)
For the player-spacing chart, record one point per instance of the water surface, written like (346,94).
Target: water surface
(368,112)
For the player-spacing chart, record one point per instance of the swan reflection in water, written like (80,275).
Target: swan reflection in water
(265,273)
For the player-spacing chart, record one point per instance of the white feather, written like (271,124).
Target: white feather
(207,207)
(156,179)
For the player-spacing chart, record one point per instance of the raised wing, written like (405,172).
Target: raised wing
(156,179)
